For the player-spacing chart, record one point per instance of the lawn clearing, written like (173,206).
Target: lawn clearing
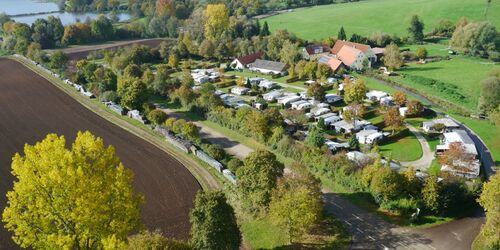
(368,17)
(403,146)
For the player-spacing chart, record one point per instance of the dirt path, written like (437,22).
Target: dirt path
(427,155)
(231,146)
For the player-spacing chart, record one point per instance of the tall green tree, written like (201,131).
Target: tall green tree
(265,30)
(75,198)
(355,92)
(257,178)
(392,57)
(213,223)
(490,92)
(341,35)
(490,200)
(297,204)
(416,29)
(431,193)
(58,60)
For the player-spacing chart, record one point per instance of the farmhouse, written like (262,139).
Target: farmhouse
(447,124)
(239,90)
(334,63)
(268,67)
(243,62)
(365,50)
(314,51)
(369,136)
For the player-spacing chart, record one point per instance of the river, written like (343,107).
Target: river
(25,11)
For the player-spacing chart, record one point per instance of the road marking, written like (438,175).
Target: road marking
(371,238)
(385,248)
(432,247)
(361,231)
(357,217)
(337,206)
(348,223)
(457,236)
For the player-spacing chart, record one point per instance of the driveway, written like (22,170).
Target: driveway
(369,231)
(231,146)
(427,155)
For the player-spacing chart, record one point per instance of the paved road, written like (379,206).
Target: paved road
(231,146)
(427,155)
(369,231)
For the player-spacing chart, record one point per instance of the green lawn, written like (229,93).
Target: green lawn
(371,16)
(461,77)
(401,147)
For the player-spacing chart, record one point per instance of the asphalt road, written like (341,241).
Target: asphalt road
(369,231)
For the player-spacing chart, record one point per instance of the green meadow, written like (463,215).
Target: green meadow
(371,16)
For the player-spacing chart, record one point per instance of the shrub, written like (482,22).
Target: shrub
(225,84)
(108,96)
(234,164)
(157,116)
(215,151)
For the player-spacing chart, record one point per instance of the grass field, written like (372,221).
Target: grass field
(401,147)
(460,74)
(370,16)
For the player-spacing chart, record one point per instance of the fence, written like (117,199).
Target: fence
(209,160)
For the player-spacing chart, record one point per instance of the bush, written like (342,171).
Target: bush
(225,84)
(157,116)
(402,206)
(108,96)
(215,151)
(234,164)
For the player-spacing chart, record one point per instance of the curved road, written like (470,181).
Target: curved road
(369,231)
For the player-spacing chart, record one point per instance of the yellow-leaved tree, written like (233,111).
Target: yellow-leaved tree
(77,198)
(216,20)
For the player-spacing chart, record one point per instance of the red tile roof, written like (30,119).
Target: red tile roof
(340,43)
(250,58)
(348,55)
(334,64)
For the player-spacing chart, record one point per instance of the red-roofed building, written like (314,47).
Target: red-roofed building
(315,51)
(353,54)
(242,62)
(335,64)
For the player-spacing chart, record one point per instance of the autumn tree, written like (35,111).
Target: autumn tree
(490,201)
(414,108)
(355,91)
(386,184)
(393,119)
(75,198)
(157,116)
(456,156)
(297,204)
(416,29)
(257,178)
(400,98)
(213,223)
(216,20)
(316,91)
(392,57)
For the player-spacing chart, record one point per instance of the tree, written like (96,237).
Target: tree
(265,30)
(386,184)
(297,204)
(102,28)
(431,193)
(234,164)
(58,60)
(323,72)
(315,137)
(392,57)
(173,60)
(475,38)
(393,119)
(257,178)
(191,132)
(400,98)
(416,29)
(132,91)
(213,223)
(415,108)
(215,151)
(490,202)
(490,91)
(341,35)
(421,53)
(70,198)
(355,91)
(316,91)
(456,156)
(289,53)
(413,185)
(207,49)
(353,143)
(154,240)
(157,116)
(216,21)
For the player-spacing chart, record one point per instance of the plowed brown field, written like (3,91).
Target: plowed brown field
(31,107)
